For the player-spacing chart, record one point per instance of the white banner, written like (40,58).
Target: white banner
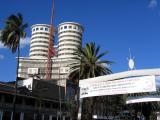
(121,86)
(143,99)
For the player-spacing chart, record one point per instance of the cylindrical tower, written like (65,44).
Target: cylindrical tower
(39,41)
(69,39)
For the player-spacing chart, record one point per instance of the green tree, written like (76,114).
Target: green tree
(148,109)
(89,64)
(13,31)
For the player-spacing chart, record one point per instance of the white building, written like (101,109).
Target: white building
(40,41)
(69,39)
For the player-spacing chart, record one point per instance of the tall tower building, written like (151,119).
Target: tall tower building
(39,41)
(69,39)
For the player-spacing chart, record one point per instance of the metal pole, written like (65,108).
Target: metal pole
(80,100)
(1,115)
(50,117)
(22,116)
(42,116)
(59,82)
(80,109)
(12,116)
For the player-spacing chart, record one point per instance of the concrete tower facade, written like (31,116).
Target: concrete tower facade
(69,39)
(39,41)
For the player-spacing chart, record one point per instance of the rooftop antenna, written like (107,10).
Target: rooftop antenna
(131,63)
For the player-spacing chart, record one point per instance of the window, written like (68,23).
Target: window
(69,44)
(40,41)
(74,27)
(40,50)
(41,28)
(39,37)
(37,55)
(70,27)
(61,28)
(33,46)
(37,29)
(65,27)
(65,54)
(70,36)
(78,28)
(33,30)
(69,31)
(67,49)
(40,33)
(46,29)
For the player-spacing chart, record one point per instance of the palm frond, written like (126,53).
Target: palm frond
(102,54)
(90,64)
(13,30)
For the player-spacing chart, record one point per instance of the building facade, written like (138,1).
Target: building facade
(60,69)
(40,41)
(29,106)
(69,40)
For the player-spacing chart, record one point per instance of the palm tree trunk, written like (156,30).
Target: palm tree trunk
(15,94)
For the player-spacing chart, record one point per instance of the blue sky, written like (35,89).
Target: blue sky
(115,25)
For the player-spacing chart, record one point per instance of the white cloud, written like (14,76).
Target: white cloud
(1,45)
(23,42)
(153,4)
(1,57)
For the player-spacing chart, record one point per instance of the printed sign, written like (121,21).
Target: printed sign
(27,83)
(114,87)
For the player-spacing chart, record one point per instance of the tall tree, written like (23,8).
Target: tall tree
(89,64)
(13,31)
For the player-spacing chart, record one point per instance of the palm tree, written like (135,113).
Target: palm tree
(89,64)
(12,32)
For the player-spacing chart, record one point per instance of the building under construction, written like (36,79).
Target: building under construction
(69,40)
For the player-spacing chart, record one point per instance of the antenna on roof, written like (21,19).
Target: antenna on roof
(131,63)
